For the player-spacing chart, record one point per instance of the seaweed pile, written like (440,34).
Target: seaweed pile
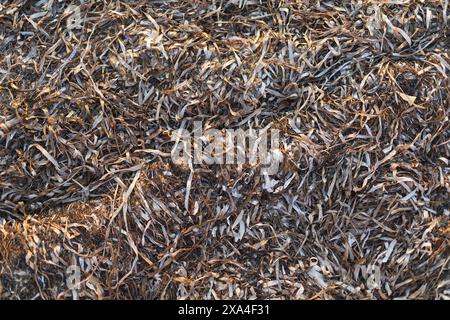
(91,93)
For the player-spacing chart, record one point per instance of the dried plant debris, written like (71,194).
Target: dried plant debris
(91,93)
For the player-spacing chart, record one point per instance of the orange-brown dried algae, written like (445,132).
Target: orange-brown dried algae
(359,91)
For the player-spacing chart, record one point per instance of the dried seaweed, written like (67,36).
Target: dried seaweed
(91,93)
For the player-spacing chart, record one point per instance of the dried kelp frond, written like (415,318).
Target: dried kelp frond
(91,94)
